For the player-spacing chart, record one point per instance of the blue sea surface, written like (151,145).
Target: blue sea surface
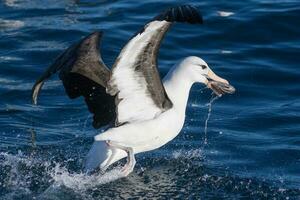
(253,136)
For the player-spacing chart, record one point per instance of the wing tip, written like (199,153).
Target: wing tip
(35,91)
(96,33)
(91,39)
(183,13)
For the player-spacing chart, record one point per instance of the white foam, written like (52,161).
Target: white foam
(59,175)
(11,24)
(11,3)
(82,181)
(9,58)
(225,14)
(14,85)
(11,81)
(196,105)
(226,51)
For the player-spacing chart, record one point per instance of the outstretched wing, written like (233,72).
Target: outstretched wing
(135,78)
(83,73)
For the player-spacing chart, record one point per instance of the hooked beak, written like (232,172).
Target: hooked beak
(218,85)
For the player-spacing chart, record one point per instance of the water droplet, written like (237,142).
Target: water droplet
(212,99)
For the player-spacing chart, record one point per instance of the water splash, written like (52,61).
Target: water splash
(82,181)
(22,172)
(194,153)
(212,99)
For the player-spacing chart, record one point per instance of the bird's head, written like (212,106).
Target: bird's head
(199,71)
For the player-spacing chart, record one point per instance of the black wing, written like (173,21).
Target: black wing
(83,73)
(135,77)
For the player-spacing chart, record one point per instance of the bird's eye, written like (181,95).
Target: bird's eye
(203,66)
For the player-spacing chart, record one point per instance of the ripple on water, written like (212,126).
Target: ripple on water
(253,140)
(32,176)
(6,24)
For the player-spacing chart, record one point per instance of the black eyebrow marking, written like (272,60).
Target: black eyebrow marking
(203,66)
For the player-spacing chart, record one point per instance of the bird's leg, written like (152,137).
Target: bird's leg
(128,167)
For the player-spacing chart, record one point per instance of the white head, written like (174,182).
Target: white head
(197,70)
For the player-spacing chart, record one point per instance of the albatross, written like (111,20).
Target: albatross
(141,112)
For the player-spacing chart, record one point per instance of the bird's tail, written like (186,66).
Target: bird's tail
(98,156)
(101,156)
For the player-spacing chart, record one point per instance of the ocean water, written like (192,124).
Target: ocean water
(250,148)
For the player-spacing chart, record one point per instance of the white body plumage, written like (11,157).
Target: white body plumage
(150,134)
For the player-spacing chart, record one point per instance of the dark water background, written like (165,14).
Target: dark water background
(253,148)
